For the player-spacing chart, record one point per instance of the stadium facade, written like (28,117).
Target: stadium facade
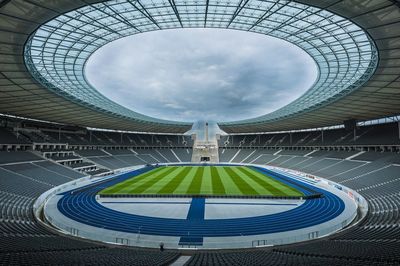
(61,141)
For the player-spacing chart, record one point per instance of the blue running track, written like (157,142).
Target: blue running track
(81,205)
(195,215)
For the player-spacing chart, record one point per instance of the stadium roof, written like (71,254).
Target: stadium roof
(45,44)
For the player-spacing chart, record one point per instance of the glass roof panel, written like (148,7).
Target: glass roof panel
(57,52)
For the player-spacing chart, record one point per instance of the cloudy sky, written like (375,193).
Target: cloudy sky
(194,74)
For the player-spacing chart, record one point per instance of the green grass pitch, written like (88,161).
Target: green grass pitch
(203,180)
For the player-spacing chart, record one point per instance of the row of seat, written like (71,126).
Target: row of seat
(24,241)
(373,242)
(365,135)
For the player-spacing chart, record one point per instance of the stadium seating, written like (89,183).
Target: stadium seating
(374,173)
(23,241)
(90,153)
(19,156)
(63,157)
(59,169)
(118,151)
(8,137)
(169,156)
(185,155)
(110,162)
(149,155)
(270,257)
(39,173)
(243,154)
(94,255)
(382,134)
(225,155)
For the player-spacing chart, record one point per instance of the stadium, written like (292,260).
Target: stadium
(85,180)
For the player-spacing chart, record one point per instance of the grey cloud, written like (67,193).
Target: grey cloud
(194,74)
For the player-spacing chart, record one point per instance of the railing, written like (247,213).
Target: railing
(240,241)
(313,196)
